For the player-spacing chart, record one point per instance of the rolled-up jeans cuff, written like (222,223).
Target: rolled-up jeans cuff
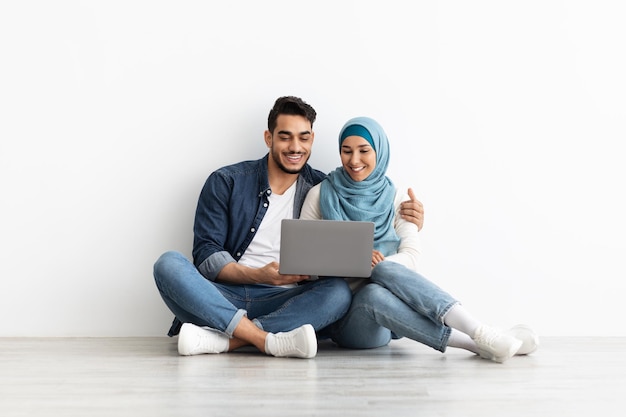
(234,322)
(446,310)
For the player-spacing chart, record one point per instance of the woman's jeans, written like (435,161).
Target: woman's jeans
(192,298)
(397,303)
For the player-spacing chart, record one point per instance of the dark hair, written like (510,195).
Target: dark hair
(290,105)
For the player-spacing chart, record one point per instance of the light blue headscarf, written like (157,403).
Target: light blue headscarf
(342,198)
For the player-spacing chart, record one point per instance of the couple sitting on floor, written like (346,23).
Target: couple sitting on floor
(232,295)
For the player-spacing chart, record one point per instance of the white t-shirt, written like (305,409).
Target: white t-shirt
(265,246)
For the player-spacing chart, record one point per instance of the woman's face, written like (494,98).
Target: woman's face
(357,157)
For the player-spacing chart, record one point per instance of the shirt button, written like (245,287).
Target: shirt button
(264,204)
(269,192)
(252,230)
(238,253)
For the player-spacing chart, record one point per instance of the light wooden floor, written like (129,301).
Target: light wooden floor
(146,377)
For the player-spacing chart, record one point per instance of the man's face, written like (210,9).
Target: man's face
(290,143)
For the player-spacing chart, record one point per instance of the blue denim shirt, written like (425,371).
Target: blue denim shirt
(231,206)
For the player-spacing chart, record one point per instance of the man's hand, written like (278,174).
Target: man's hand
(413,210)
(235,273)
(269,275)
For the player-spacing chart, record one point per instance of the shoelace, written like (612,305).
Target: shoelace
(487,337)
(207,340)
(284,344)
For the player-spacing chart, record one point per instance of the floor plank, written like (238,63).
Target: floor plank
(146,377)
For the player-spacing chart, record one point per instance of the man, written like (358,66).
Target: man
(233,295)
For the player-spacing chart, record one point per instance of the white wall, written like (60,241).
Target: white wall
(506,117)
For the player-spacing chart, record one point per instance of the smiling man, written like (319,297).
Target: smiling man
(232,294)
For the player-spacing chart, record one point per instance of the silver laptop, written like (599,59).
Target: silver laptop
(326,248)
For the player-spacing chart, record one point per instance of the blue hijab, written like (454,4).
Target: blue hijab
(342,198)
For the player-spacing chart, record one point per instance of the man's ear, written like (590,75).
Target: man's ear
(268,138)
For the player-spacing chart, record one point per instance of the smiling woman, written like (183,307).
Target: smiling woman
(396,301)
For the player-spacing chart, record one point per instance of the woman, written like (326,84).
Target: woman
(396,301)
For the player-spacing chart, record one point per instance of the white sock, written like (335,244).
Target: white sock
(270,344)
(461,340)
(459,318)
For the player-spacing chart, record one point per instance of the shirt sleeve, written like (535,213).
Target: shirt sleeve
(211,226)
(311,207)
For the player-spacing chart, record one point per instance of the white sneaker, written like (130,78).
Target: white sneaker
(530,340)
(494,344)
(196,340)
(297,343)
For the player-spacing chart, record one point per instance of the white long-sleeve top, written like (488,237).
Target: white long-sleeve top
(410,247)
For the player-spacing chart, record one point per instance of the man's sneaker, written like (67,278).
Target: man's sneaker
(195,340)
(297,343)
(530,340)
(494,344)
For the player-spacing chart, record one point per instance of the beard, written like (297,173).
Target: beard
(276,158)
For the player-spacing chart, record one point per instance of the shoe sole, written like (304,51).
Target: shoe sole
(510,353)
(530,339)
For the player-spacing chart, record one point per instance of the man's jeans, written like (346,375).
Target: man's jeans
(192,298)
(397,303)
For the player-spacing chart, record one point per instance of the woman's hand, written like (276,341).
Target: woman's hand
(377,257)
(412,210)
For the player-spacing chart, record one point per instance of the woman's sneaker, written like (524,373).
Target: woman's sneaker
(196,340)
(495,345)
(530,339)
